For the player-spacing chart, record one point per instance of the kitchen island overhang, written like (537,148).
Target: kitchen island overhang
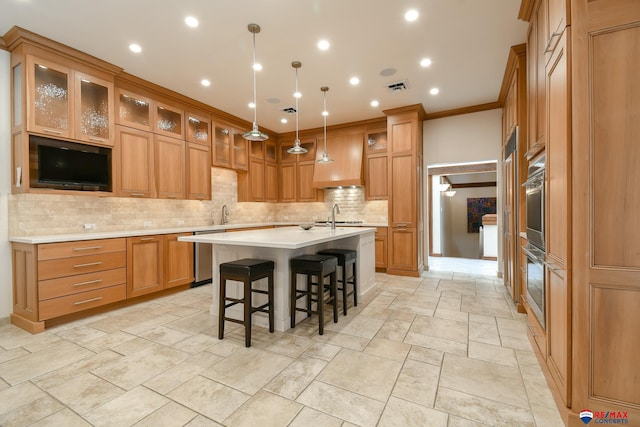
(280,245)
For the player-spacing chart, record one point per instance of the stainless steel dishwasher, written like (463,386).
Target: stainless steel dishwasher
(202,257)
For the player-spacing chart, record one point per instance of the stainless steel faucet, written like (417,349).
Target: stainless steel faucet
(334,210)
(225,214)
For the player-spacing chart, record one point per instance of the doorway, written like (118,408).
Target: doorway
(459,197)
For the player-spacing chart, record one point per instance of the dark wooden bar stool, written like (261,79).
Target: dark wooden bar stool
(247,271)
(319,266)
(346,258)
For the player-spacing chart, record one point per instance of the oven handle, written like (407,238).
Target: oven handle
(534,256)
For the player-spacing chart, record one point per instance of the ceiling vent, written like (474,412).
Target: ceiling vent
(289,110)
(398,86)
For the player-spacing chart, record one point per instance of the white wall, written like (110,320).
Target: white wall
(5,186)
(466,138)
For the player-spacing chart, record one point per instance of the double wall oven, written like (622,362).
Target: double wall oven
(535,249)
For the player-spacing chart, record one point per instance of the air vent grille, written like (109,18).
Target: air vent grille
(398,86)
(289,110)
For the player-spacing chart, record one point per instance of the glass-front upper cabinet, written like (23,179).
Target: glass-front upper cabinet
(169,121)
(94,109)
(240,153)
(198,129)
(133,110)
(49,98)
(270,151)
(222,146)
(256,149)
(376,142)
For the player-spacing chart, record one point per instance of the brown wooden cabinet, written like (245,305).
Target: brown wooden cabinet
(381,249)
(230,150)
(168,120)
(133,156)
(406,228)
(198,129)
(536,92)
(271,181)
(145,270)
(134,110)
(57,279)
(198,171)
(295,173)
(178,261)
(170,167)
(376,165)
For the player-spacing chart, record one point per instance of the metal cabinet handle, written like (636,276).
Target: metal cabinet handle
(144,239)
(89,264)
(88,300)
(93,138)
(90,282)
(137,194)
(555,35)
(87,248)
(532,331)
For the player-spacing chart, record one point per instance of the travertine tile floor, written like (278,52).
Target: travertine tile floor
(446,349)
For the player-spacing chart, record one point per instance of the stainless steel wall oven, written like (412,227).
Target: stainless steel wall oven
(535,202)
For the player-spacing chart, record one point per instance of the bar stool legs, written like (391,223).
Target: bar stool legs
(246,271)
(320,266)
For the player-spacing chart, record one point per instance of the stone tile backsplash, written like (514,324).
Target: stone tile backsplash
(49,214)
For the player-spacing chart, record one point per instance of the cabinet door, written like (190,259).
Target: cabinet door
(144,265)
(306,192)
(402,189)
(168,121)
(50,96)
(94,118)
(376,178)
(402,134)
(270,151)
(403,246)
(558,331)
(240,153)
(558,168)
(199,172)
(178,261)
(134,163)
(271,182)
(557,21)
(532,81)
(381,248)
(133,110)
(198,129)
(170,167)
(287,180)
(256,149)
(256,175)
(222,146)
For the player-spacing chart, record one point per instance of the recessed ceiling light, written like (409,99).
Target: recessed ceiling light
(283,120)
(374,103)
(411,15)
(425,62)
(134,47)
(252,105)
(205,82)
(354,81)
(323,44)
(434,91)
(191,21)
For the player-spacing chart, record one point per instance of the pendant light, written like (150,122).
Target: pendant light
(325,157)
(297,148)
(254,134)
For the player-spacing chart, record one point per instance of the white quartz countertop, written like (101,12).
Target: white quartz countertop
(92,234)
(284,238)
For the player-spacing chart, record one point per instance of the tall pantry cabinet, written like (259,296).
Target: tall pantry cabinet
(584,104)
(405,191)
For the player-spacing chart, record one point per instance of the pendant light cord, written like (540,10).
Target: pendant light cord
(324,120)
(255,107)
(297,96)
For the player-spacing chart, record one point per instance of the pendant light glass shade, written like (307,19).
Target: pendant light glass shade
(297,148)
(254,134)
(325,157)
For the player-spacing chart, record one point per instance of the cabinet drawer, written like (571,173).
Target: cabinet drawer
(80,248)
(53,269)
(381,231)
(55,288)
(77,302)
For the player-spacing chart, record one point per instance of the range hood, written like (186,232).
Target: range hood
(346,169)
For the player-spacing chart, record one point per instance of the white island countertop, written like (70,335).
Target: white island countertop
(283,237)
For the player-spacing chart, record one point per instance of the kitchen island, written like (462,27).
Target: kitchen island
(280,245)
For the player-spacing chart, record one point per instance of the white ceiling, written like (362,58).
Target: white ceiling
(467,40)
